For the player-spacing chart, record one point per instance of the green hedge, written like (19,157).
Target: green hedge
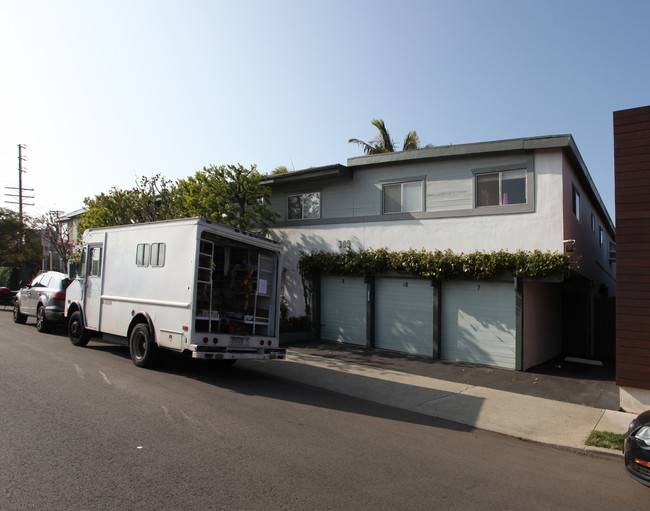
(8,277)
(437,264)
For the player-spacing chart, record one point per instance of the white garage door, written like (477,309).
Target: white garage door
(404,315)
(478,322)
(343,309)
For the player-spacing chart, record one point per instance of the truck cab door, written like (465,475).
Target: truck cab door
(93,286)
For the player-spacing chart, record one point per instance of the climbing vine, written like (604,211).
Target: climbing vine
(437,264)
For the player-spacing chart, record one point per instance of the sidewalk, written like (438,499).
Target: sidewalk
(392,380)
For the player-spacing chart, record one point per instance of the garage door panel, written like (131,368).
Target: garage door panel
(343,309)
(404,315)
(478,323)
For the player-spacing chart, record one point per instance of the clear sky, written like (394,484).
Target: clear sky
(102,92)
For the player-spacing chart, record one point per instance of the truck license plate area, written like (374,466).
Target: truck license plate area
(239,341)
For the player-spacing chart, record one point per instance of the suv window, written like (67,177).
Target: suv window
(37,282)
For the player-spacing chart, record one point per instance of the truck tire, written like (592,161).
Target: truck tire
(19,317)
(141,346)
(78,335)
(43,325)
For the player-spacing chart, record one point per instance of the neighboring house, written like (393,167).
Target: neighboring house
(52,260)
(71,220)
(632,176)
(522,194)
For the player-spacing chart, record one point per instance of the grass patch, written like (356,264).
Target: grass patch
(606,440)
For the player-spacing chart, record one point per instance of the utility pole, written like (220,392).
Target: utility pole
(20,188)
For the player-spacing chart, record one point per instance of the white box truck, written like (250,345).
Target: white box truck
(189,285)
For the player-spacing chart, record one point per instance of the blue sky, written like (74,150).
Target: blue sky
(102,92)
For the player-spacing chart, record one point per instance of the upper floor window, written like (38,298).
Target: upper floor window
(593,223)
(402,197)
(304,206)
(575,202)
(601,236)
(501,188)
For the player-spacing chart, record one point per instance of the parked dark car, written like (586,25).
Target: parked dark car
(637,448)
(43,299)
(6,296)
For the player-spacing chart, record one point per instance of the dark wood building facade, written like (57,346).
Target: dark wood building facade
(632,177)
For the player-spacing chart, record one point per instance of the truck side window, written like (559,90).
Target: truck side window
(157,254)
(95,261)
(142,254)
(82,263)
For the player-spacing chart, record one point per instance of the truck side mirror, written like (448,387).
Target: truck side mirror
(72,270)
(22,284)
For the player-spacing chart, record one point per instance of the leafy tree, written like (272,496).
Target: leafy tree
(20,244)
(383,143)
(229,194)
(281,169)
(149,200)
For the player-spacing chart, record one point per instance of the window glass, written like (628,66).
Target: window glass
(402,197)
(392,198)
(95,261)
(295,209)
(501,188)
(142,254)
(601,236)
(513,187)
(311,205)
(412,197)
(38,281)
(302,206)
(487,190)
(575,203)
(82,263)
(157,254)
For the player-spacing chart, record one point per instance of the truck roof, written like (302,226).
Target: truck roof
(221,229)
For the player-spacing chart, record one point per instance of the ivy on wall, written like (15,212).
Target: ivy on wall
(436,265)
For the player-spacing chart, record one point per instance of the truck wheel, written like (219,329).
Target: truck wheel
(78,335)
(141,346)
(18,316)
(42,323)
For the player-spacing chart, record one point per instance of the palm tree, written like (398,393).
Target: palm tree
(383,143)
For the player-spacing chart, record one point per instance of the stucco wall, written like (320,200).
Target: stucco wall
(540,229)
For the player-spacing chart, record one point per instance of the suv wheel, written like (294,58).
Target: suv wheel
(42,323)
(18,316)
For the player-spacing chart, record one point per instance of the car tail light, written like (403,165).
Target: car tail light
(59,296)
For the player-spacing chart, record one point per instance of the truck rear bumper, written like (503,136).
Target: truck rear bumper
(207,352)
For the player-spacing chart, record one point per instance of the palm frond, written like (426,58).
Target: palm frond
(412,141)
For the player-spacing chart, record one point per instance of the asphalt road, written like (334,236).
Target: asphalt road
(83,428)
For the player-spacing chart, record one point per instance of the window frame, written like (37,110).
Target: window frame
(95,270)
(401,184)
(302,208)
(500,173)
(575,202)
